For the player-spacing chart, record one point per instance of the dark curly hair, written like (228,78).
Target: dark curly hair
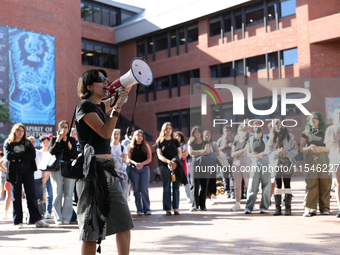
(88,78)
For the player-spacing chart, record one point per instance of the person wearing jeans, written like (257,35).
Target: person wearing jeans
(239,153)
(20,153)
(260,173)
(140,182)
(225,143)
(49,198)
(62,187)
(139,157)
(167,148)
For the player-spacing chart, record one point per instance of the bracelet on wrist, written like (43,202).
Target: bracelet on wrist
(116,108)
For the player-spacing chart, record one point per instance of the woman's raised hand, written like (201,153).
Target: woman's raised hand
(121,97)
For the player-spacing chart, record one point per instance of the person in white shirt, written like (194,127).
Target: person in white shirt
(332,142)
(39,176)
(6,185)
(119,153)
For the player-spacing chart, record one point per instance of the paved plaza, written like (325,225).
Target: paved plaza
(216,231)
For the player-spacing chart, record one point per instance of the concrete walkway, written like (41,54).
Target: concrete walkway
(216,231)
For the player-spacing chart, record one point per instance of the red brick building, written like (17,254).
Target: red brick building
(269,39)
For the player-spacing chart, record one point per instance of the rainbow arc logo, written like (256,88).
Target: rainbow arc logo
(204,97)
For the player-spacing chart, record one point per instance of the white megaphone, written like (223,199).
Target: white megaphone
(140,72)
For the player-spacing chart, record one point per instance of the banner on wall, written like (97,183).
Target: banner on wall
(3,77)
(331,104)
(28,79)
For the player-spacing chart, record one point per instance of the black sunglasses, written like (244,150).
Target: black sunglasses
(103,79)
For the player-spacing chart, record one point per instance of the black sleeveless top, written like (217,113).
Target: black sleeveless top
(138,155)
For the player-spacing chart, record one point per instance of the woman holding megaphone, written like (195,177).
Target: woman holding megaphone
(94,129)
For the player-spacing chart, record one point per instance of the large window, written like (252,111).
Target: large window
(173,38)
(141,48)
(290,57)
(99,54)
(181,36)
(214,72)
(104,14)
(238,19)
(273,60)
(192,33)
(162,83)
(272,8)
(254,14)
(161,42)
(256,64)
(215,26)
(287,7)
(226,70)
(184,80)
(179,119)
(126,15)
(239,67)
(227,23)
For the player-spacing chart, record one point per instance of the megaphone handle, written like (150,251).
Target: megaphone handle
(116,98)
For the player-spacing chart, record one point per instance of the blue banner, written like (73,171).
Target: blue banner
(3,77)
(31,77)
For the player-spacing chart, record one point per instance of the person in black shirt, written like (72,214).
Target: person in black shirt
(20,153)
(167,148)
(139,159)
(62,187)
(318,183)
(94,129)
(198,147)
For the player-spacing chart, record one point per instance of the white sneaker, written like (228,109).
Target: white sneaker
(189,200)
(247,211)
(41,224)
(5,216)
(48,216)
(236,207)
(263,210)
(18,226)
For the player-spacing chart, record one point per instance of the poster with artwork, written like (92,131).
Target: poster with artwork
(331,104)
(27,78)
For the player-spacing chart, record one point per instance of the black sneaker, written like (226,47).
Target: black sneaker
(338,214)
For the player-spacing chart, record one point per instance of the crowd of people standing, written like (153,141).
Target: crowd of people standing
(126,163)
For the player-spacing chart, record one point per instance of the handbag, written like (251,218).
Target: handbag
(73,169)
(207,160)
